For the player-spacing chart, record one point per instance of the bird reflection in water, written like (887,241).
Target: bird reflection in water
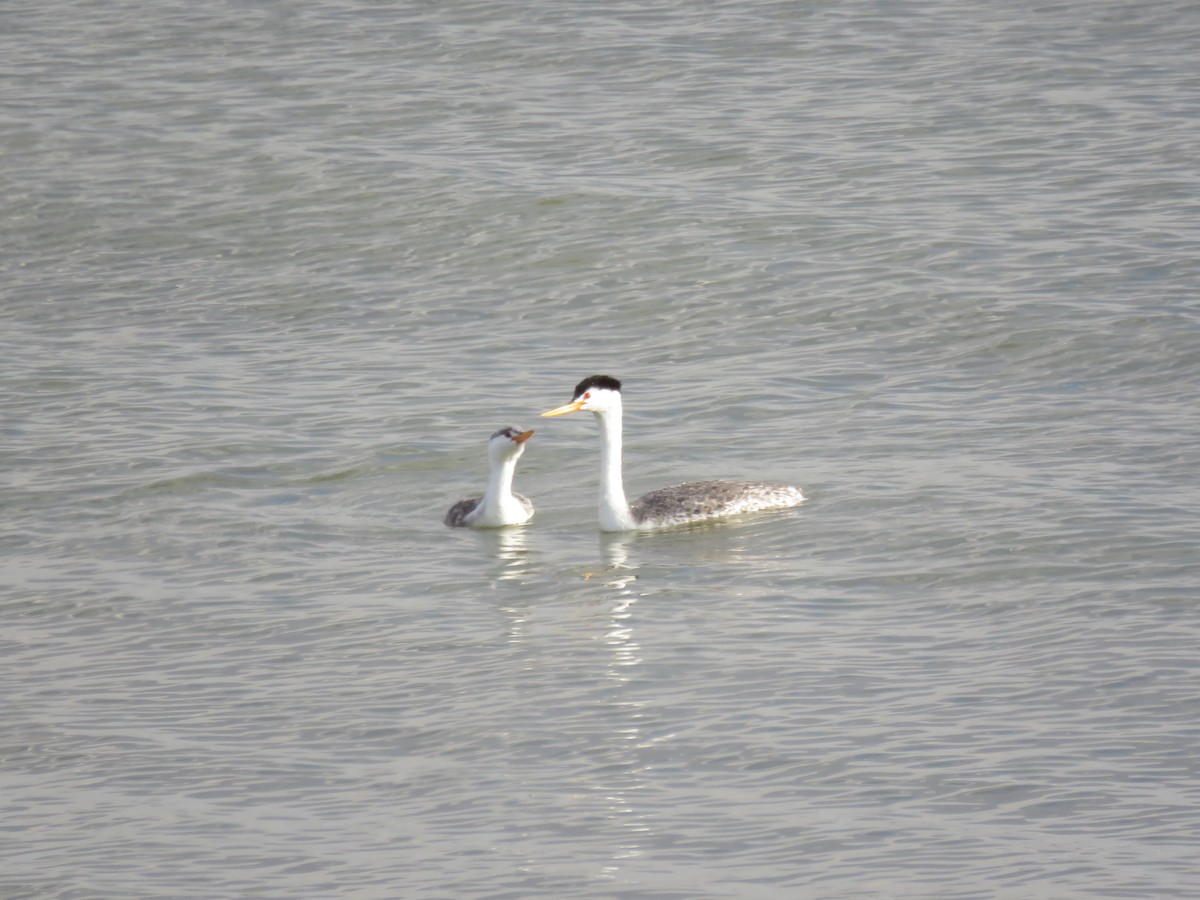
(622,780)
(509,547)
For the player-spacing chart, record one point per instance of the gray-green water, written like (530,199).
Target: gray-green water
(273,273)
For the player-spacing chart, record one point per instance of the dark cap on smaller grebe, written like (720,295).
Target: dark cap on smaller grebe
(513,433)
(606,382)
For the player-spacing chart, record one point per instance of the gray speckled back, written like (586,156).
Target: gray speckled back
(699,500)
(457,516)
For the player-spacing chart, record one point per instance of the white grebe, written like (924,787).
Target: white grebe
(691,502)
(499,505)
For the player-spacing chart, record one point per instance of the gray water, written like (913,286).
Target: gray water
(273,273)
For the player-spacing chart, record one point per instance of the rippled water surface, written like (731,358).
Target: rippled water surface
(271,276)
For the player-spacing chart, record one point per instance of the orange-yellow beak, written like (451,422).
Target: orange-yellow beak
(523,437)
(573,406)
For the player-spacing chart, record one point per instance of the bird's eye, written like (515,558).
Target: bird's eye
(587,395)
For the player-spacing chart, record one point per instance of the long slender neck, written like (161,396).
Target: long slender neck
(500,481)
(614,508)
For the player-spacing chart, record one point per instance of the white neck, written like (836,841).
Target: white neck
(614,508)
(498,500)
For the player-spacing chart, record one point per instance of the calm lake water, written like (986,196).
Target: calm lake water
(273,273)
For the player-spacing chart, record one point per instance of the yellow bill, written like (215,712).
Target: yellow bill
(573,406)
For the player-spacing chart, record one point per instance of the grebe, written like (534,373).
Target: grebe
(499,505)
(695,501)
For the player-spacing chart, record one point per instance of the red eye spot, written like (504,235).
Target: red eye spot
(587,395)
